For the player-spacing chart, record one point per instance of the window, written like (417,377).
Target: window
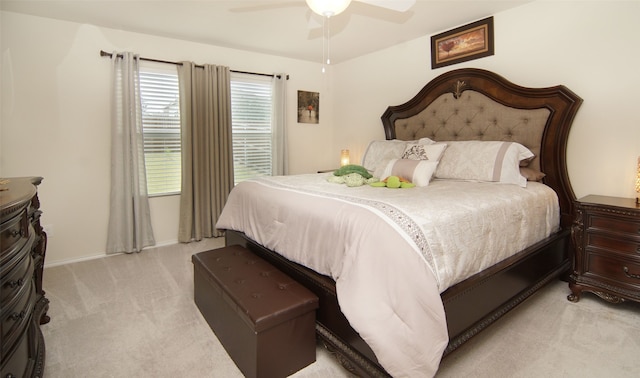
(251,111)
(160,99)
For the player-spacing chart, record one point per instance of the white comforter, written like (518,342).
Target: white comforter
(393,251)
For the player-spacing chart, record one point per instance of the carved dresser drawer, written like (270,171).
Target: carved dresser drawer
(22,302)
(17,274)
(618,271)
(14,233)
(16,316)
(614,245)
(606,240)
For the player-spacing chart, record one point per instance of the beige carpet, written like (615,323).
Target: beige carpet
(134,316)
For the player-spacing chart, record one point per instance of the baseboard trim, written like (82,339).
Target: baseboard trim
(94,257)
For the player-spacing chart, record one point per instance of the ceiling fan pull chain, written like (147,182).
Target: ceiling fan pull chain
(324,43)
(328,40)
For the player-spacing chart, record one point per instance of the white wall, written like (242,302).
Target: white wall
(56,117)
(591,47)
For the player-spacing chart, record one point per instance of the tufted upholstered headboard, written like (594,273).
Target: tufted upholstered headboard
(474,104)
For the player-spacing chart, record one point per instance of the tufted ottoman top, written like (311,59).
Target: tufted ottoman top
(261,294)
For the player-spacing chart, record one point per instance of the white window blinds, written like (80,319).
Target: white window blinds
(160,97)
(251,115)
(251,112)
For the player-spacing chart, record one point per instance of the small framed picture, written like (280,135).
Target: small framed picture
(308,107)
(468,42)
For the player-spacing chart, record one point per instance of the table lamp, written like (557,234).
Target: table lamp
(344,158)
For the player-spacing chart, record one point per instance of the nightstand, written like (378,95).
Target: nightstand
(606,241)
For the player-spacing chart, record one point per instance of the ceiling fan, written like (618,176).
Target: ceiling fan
(329,8)
(326,7)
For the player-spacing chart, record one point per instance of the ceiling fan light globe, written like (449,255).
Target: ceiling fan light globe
(328,8)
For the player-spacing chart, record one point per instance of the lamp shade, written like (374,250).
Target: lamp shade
(344,158)
(328,8)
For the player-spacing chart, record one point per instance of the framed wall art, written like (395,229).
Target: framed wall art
(308,107)
(468,42)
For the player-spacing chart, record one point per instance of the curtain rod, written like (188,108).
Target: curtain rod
(104,53)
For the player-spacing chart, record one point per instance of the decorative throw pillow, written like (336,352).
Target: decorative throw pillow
(426,141)
(531,174)
(415,152)
(379,152)
(424,152)
(493,161)
(526,162)
(418,172)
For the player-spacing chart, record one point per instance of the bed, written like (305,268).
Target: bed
(459,109)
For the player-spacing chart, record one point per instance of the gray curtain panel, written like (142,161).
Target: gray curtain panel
(279,152)
(129,215)
(207,156)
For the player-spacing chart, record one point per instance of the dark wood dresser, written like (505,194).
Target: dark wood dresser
(23,306)
(606,239)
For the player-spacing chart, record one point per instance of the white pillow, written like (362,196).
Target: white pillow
(379,152)
(426,141)
(492,161)
(424,152)
(418,172)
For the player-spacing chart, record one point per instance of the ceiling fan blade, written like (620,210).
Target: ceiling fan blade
(257,6)
(314,21)
(396,5)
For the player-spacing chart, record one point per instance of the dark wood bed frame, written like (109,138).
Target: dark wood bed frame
(478,301)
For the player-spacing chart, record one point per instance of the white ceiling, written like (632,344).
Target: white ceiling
(279,27)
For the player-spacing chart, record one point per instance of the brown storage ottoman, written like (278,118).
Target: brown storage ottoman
(264,319)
